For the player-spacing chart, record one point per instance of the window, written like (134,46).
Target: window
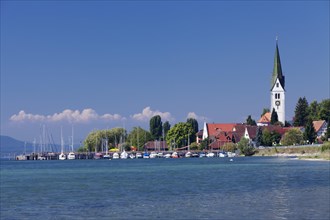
(277,84)
(278,95)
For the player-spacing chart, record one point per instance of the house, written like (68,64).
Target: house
(220,134)
(320,128)
(211,129)
(156,146)
(199,136)
(265,119)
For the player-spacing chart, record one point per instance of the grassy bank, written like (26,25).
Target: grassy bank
(300,152)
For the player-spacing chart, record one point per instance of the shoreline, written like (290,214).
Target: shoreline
(304,153)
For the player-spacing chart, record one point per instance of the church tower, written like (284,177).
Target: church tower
(277,91)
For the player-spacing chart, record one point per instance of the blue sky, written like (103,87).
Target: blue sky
(104,64)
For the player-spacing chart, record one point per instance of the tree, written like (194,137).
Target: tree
(309,133)
(276,137)
(313,110)
(138,137)
(250,121)
(266,139)
(287,124)
(274,117)
(259,137)
(114,137)
(156,127)
(229,147)
(194,124)
(166,128)
(324,112)
(245,147)
(301,112)
(178,134)
(292,137)
(204,144)
(327,134)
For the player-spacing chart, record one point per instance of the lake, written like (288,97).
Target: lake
(187,188)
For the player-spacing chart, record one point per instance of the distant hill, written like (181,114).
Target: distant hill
(9,145)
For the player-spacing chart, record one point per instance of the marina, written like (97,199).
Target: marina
(122,155)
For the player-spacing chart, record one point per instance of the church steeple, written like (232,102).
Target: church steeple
(277,70)
(277,91)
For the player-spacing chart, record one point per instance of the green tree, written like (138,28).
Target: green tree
(301,112)
(327,134)
(245,147)
(313,110)
(204,144)
(266,139)
(324,112)
(194,124)
(229,147)
(94,140)
(276,137)
(274,117)
(250,121)
(292,137)
(166,128)
(259,137)
(156,127)
(309,133)
(178,134)
(138,137)
(287,124)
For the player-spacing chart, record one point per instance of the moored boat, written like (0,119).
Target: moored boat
(146,155)
(115,155)
(124,155)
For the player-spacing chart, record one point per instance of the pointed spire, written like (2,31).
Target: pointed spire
(277,70)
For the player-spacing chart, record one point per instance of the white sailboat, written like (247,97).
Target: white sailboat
(123,155)
(62,156)
(106,156)
(71,155)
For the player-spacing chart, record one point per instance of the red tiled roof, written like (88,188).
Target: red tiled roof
(318,125)
(252,130)
(265,118)
(212,129)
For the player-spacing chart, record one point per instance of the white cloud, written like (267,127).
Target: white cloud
(22,116)
(147,113)
(86,115)
(195,116)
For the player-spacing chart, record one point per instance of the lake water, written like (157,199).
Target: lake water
(192,188)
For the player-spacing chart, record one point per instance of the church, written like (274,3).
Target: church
(277,92)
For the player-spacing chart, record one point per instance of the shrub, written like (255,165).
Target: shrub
(325,146)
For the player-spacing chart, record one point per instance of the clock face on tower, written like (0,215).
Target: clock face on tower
(277,103)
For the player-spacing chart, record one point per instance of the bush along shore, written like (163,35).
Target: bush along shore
(311,152)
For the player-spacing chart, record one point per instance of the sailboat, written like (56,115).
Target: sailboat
(62,156)
(71,155)
(106,156)
(124,155)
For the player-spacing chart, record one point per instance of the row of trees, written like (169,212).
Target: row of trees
(117,138)
(305,112)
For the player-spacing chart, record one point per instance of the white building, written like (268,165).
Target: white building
(277,91)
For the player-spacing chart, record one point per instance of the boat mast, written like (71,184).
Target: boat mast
(62,142)
(72,140)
